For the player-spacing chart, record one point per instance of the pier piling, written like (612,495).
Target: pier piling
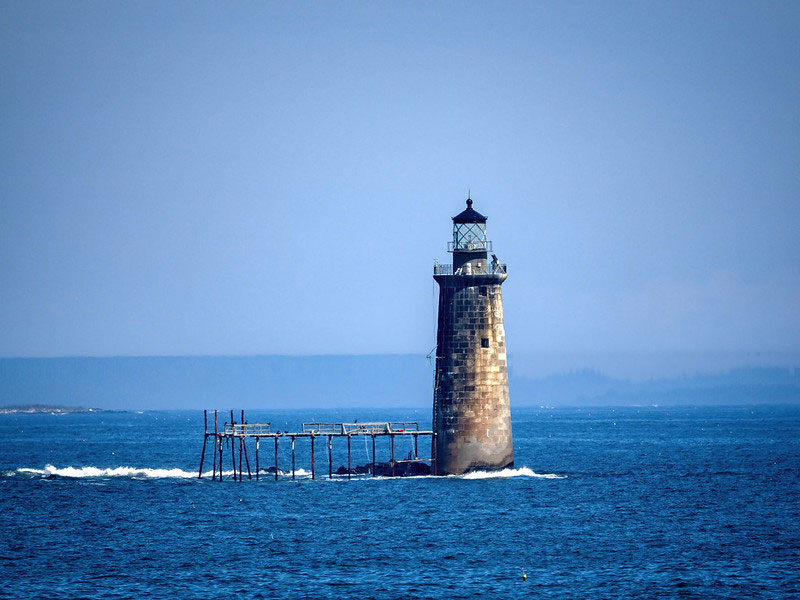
(244,445)
(220,458)
(233,449)
(216,441)
(435,459)
(205,439)
(241,443)
(312,457)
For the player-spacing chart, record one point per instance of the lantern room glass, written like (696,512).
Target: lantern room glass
(469,236)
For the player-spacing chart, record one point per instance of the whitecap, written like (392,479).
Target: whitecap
(176,473)
(82,472)
(506,473)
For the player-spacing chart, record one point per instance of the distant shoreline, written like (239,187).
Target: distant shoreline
(45,408)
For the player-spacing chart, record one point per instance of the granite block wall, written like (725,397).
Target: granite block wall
(471,415)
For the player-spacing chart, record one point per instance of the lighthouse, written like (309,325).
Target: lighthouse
(471,413)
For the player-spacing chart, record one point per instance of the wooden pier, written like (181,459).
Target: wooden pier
(232,432)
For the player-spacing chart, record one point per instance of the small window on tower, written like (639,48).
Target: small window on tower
(485,343)
(483,290)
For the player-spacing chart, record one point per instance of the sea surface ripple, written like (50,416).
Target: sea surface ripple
(603,503)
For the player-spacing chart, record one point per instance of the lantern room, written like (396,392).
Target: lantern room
(469,230)
(469,245)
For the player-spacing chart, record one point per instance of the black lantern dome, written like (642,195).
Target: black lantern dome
(470,215)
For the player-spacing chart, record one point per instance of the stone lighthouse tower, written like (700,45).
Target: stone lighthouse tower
(471,415)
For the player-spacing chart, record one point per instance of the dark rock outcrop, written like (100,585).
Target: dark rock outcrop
(384,469)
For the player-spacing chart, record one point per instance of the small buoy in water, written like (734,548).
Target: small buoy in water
(524,576)
(240,500)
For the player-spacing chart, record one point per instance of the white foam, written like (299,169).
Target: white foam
(81,472)
(298,473)
(505,473)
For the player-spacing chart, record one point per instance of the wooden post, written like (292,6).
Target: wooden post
(373,455)
(257,469)
(292,457)
(392,436)
(330,457)
(241,443)
(246,459)
(348,456)
(244,445)
(220,458)
(312,456)
(276,458)
(233,447)
(205,439)
(435,467)
(416,449)
(216,441)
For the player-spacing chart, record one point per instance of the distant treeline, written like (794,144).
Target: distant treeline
(121,383)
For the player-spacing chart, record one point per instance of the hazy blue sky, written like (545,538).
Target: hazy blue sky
(277,178)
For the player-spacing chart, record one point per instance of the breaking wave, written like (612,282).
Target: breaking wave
(80,472)
(505,473)
(138,472)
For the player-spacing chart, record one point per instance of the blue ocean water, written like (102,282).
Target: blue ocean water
(604,503)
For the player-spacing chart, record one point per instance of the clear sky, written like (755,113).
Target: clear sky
(277,178)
